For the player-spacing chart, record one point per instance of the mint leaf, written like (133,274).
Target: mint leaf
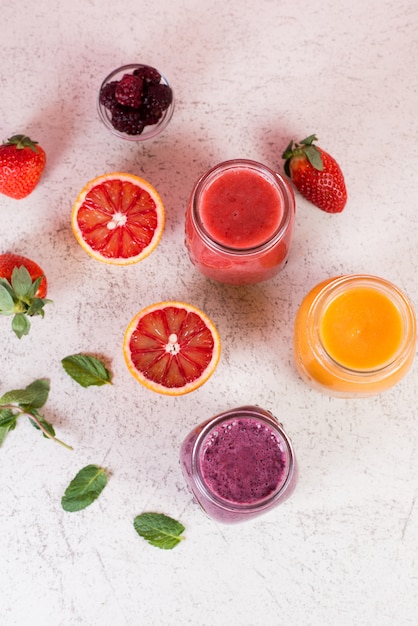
(159,530)
(27,402)
(7,423)
(42,424)
(85,487)
(7,417)
(18,396)
(33,396)
(86,370)
(40,390)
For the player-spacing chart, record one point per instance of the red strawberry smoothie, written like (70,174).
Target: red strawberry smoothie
(239,222)
(241,209)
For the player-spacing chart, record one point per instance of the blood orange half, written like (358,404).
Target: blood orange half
(171,348)
(118,218)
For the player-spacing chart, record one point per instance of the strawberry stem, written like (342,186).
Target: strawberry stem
(21,142)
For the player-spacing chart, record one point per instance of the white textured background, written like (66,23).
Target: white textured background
(248,77)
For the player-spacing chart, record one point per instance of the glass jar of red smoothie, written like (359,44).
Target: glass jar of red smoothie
(239,464)
(239,222)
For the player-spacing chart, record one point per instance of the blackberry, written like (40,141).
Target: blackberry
(107,95)
(149,75)
(157,99)
(127,120)
(129,90)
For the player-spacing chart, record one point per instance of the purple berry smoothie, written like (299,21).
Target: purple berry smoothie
(239,464)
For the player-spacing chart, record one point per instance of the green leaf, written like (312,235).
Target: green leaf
(21,281)
(86,370)
(308,141)
(314,157)
(36,307)
(18,396)
(46,425)
(159,530)
(7,417)
(6,301)
(7,423)
(40,390)
(3,432)
(34,287)
(20,325)
(85,487)
(33,396)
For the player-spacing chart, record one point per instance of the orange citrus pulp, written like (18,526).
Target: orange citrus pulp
(118,218)
(171,347)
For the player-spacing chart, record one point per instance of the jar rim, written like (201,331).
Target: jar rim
(339,285)
(244,412)
(280,185)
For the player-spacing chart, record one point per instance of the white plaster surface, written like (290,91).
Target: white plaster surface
(248,77)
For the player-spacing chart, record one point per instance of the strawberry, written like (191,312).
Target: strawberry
(23,287)
(22,162)
(316,175)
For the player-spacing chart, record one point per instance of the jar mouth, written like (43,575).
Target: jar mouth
(244,413)
(279,184)
(343,285)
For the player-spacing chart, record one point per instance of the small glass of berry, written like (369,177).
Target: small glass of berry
(135,102)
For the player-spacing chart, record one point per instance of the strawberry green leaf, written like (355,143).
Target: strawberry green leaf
(6,300)
(20,325)
(159,530)
(37,307)
(314,157)
(86,370)
(309,140)
(21,281)
(85,487)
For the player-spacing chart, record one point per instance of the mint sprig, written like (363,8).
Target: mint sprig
(85,488)
(86,370)
(27,401)
(159,530)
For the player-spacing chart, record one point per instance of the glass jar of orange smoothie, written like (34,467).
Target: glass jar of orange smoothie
(354,336)
(239,222)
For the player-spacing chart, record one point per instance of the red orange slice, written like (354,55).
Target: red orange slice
(171,347)
(118,218)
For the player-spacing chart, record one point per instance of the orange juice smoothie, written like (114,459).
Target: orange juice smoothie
(354,336)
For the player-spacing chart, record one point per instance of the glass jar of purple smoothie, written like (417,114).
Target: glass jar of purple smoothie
(239,464)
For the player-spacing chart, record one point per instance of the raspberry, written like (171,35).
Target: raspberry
(127,120)
(107,95)
(149,75)
(129,91)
